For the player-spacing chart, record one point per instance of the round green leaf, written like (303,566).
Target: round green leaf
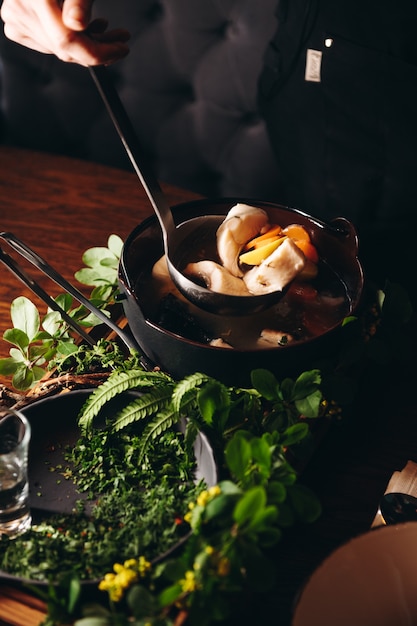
(265,382)
(8,366)
(238,454)
(25,316)
(249,505)
(23,378)
(17,337)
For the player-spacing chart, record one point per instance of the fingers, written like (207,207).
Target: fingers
(44,26)
(76,14)
(116,36)
(101,49)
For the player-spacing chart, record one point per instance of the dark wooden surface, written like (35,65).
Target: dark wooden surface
(61,207)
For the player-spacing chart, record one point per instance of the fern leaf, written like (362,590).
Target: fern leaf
(164,420)
(117,383)
(191,432)
(185,391)
(148,404)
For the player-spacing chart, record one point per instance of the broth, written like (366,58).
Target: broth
(306,311)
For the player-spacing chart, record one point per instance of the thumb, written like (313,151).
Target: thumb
(76,14)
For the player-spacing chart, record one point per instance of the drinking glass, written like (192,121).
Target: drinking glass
(15,515)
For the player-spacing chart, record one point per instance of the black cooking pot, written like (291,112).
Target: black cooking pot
(337,245)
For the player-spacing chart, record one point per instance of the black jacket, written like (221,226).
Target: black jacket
(346,137)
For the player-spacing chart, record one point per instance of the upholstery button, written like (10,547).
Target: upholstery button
(232,29)
(250,118)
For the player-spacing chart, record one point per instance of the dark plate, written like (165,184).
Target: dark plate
(54,427)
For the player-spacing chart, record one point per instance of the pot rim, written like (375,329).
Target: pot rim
(339,227)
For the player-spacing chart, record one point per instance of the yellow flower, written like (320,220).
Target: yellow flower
(209,550)
(118,567)
(123,577)
(203,498)
(207,495)
(143,566)
(126,578)
(189,583)
(116,594)
(110,584)
(109,578)
(214,491)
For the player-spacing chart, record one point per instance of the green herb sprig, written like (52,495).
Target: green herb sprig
(133,508)
(42,342)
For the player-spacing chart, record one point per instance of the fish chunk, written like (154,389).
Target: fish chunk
(217,278)
(220,343)
(273,337)
(277,270)
(242,223)
(162,280)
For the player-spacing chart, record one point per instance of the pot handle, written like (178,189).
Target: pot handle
(38,262)
(344,228)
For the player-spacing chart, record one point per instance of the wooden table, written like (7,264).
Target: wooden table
(61,207)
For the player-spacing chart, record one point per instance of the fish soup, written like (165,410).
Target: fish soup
(307,310)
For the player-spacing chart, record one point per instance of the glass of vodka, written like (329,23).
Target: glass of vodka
(15,515)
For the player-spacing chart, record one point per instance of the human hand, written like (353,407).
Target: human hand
(64,29)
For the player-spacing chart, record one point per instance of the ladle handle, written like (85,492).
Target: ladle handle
(37,261)
(131,144)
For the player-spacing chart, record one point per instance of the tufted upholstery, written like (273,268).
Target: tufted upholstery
(189,85)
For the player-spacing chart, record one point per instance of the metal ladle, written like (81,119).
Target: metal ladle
(175,237)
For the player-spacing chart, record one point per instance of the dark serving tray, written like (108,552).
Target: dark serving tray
(54,427)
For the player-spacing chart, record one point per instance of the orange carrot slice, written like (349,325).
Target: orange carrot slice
(264,242)
(309,250)
(273,231)
(296,232)
(259,254)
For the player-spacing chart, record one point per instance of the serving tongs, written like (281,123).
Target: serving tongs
(37,261)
